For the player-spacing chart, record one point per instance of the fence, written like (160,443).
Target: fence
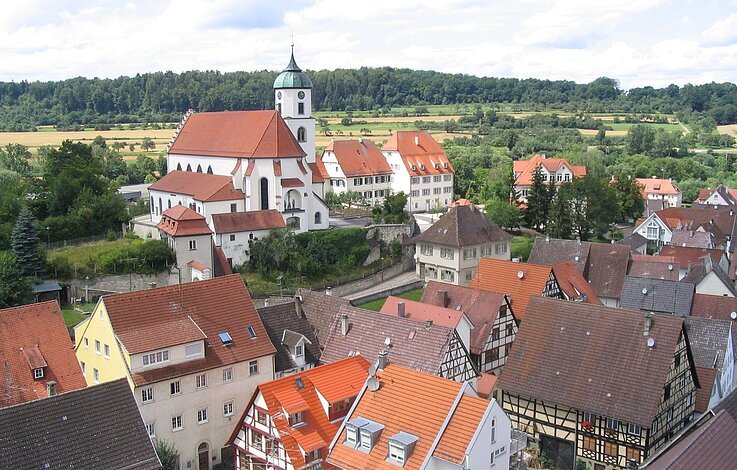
(81,241)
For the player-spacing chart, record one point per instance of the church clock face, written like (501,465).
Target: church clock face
(278,94)
(301,94)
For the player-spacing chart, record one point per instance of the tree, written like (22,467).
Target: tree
(148,144)
(15,289)
(168,455)
(594,207)
(25,244)
(271,254)
(16,157)
(392,210)
(503,213)
(560,221)
(630,202)
(640,139)
(538,202)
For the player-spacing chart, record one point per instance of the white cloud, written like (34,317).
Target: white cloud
(721,33)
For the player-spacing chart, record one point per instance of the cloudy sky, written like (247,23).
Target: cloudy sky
(638,42)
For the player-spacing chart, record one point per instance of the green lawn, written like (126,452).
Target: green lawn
(375,305)
(72,316)
(521,246)
(624,126)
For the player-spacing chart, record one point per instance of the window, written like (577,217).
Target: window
(51,388)
(193,349)
(97,347)
(233,207)
(228,408)
(633,454)
(448,189)
(634,429)
(500,248)
(253,367)
(589,443)
(228,374)
(682,381)
(84,368)
(38,373)
(296,418)
(301,134)
(567,177)
(147,395)
(431,273)
(251,332)
(367,180)
(96,375)
(426,192)
(447,177)
(176,423)
(107,351)
(201,381)
(156,357)
(493,430)
(202,416)
(232,237)
(175,388)
(351,435)
(426,249)
(357,181)
(415,180)
(192,245)
(86,342)
(495,333)
(469,275)
(261,417)
(396,452)
(678,359)
(666,393)
(318,218)
(612,424)
(610,448)
(446,253)
(299,350)
(655,426)
(436,179)
(447,275)
(688,400)
(425,179)
(669,415)
(652,233)
(436,190)
(589,418)
(559,176)
(415,193)
(151,428)
(469,253)
(367,194)
(300,108)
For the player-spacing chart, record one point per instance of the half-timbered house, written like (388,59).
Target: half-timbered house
(289,422)
(599,384)
(494,323)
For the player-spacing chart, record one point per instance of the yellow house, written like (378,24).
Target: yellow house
(190,353)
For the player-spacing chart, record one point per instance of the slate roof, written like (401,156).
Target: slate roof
(606,268)
(420,153)
(359,157)
(155,318)
(695,239)
(463,226)
(494,275)
(708,338)
(236,222)
(201,186)
(416,345)
(634,241)
(320,310)
(32,335)
(729,404)
(713,306)
(592,358)
(550,251)
(280,319)
(481,307)
(97,427)
(245,134)
(709,446)
(657,295)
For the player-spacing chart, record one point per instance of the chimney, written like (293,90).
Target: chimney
(647,324)
(360,140)
(344,324)
(383,360)
(328,291)
(298,305)
(417,140)
(443,297)
(400,310)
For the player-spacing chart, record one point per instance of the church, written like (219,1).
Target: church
(255,162)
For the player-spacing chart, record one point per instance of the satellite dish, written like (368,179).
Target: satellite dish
(388,341)
(650,342)
(372,371)
(520,274)
(670,267)
(373,384)
(733,315)
(575,258)
(644,291)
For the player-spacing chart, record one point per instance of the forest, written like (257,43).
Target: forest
(165,96)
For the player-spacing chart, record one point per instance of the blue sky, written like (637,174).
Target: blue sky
(638,42)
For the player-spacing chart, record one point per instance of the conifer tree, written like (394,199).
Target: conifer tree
(24,242)
(538,202)
(560,218)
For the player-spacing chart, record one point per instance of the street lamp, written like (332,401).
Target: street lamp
(48,237)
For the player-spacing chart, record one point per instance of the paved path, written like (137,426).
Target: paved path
(400,280)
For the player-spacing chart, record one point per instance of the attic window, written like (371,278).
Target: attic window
(401,446)
(300,384)
(362,434)
(412,334)
(251,332)
(38,373)
(225,338)
(51,388)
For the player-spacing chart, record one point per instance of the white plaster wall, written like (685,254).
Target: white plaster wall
(481,448)
(238,248)
(220,165)
(712,285)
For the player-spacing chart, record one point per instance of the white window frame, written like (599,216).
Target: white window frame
(228,374)
(96,375)
(397,452)
(437,178)
(107,351)
(201,381)
(177,423)
(192,245)
(634,429)
(151,429)
(253,367)
(447,275)
(84,368)
(202,416)
(156,357)
(447,253)
(299,350)
(175,387)
(228,408)
(425,179)
(352,436)
(147,395)
(493,430)
(469,253)
(97,347)
(426,249)
(38,373)
(415,180)
(86,342)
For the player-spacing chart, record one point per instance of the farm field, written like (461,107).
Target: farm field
(730,129)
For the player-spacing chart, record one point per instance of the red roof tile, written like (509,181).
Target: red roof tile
(35,336)
(421,153)
(703,395)
(573,284)
(234,222)
(201,186)
(248,134)
(688,255)
(713,306)
(657,186)
(423,312)
(292,183)
(524,169)
(485,384)
(182,221)
(504,277)
(359,157)
(459,433)
(155,318)
(317,171)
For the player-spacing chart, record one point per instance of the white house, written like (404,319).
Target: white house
(661,189)
(357,165)
(556,170)
(187,233)
(235,231)
(421,169)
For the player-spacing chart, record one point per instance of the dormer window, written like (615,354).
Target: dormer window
(363,434)
(296,419)
(299,350)
(38,373)
(51,388)
(401,446)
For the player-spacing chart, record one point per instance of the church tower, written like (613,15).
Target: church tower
(293,98)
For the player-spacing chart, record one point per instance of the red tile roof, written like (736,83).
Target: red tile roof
(292,183)
(201,186)
(248,134)
(421,153)
(461,429)
(703,395)
(481,307)
(359,157)
(235,222)
(713,306)
(502,276)
(606,268)
(317,169)
(573,284)
(182,221)
(485,384)
(335,382)
(657,186)
(524,169)
(34,336)
(156,318)
(685,255)
(423,312)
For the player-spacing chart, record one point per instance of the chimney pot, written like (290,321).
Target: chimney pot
(647,324)
(417,140)
(400,309)
(383,360)
(328,291)
(344,324)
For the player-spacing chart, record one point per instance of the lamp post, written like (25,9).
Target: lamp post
(48,237)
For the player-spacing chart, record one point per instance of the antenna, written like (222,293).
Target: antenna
(650,343)
(373,384)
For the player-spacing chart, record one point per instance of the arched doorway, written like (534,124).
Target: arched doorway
(294,199)
(203,456)
(264,194)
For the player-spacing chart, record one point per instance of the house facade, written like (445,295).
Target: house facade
(581,403)
(235,231)
(555,170)
(661,189)
(421,170)
(289,422)
(293,337)
(358,166)
(449,251)
(187,233)
(189,353)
